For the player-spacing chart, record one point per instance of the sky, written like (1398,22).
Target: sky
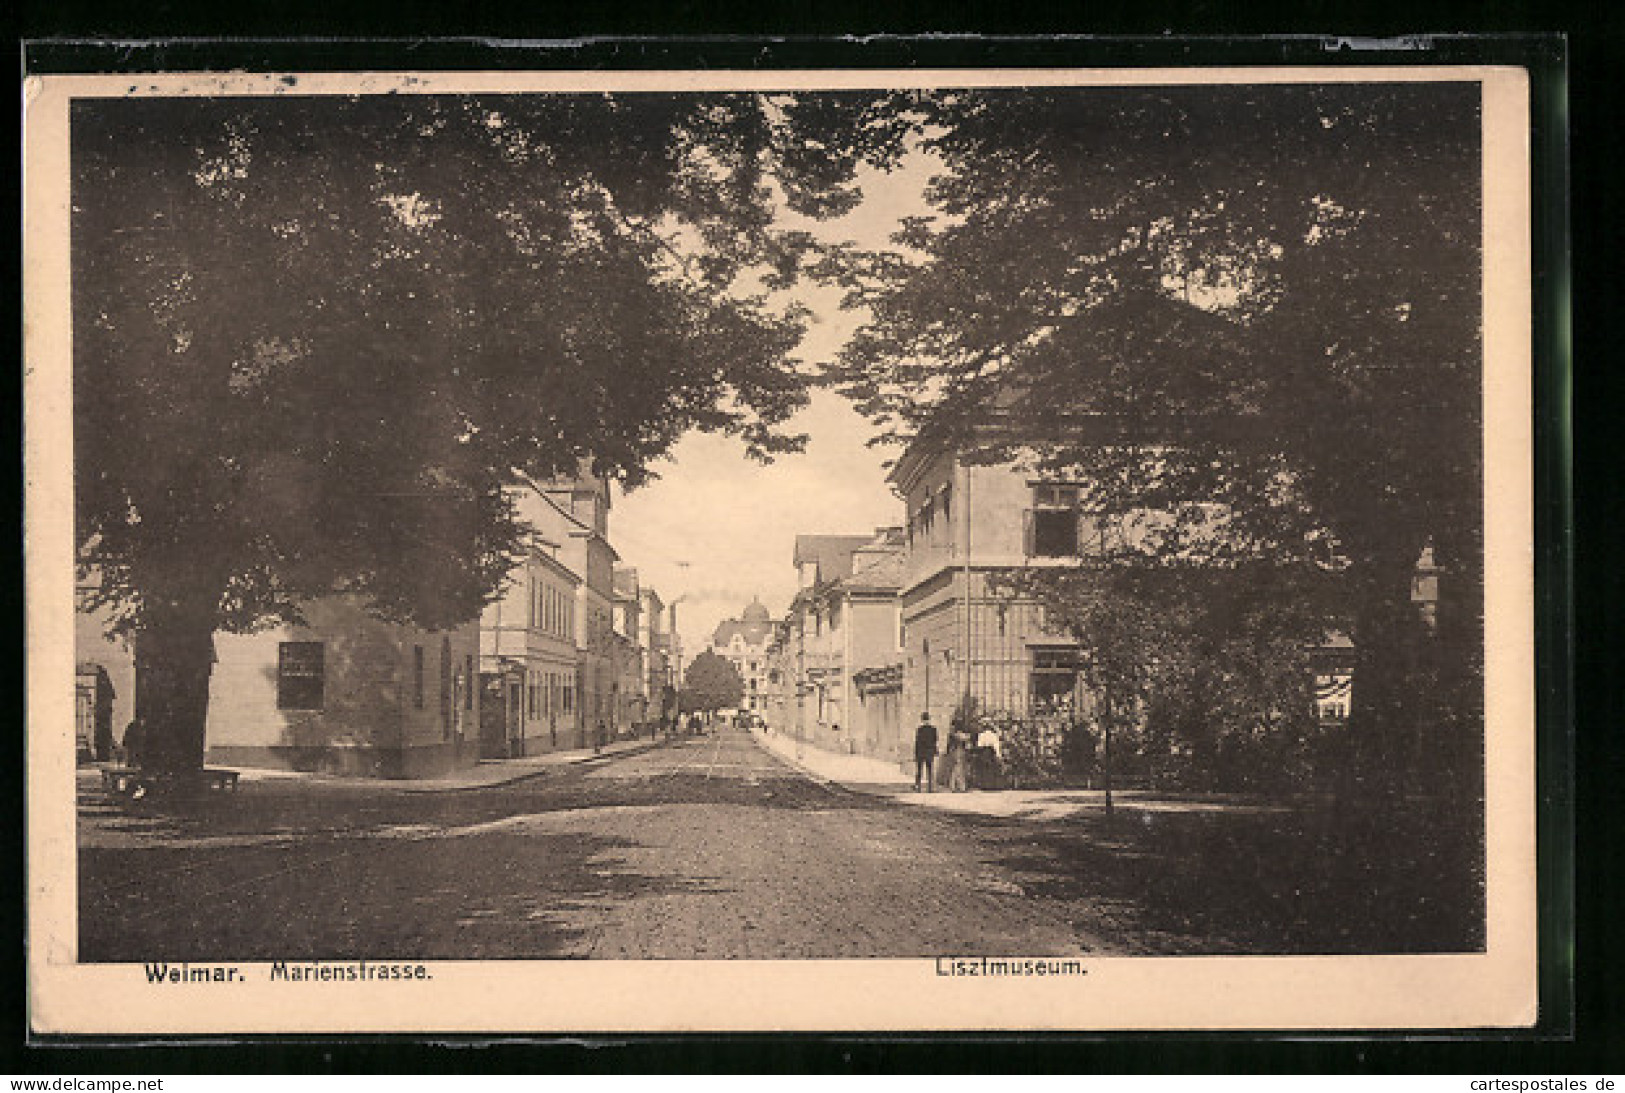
(717,529)
(734,522)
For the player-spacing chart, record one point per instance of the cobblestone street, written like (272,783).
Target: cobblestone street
(713,848)
(705,848)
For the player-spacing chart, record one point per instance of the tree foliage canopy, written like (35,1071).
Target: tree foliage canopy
(315,337)
(1263,297)
(1253,311)
(711,682)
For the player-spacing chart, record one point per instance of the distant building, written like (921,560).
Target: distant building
(577,513)
(817,615)
(528,658)
(631,684)
(864,636)
(659,685)
(743,643)
(780,708)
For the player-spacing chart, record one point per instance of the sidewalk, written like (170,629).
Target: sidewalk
(877,778)
(488,773)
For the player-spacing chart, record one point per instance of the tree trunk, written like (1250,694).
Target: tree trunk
(174,657)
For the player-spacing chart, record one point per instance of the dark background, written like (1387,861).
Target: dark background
(1581,1034)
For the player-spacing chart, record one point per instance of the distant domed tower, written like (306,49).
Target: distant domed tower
(743,641)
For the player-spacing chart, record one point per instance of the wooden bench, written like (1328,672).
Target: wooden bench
(129,781)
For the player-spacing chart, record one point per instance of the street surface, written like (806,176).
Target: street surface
(703,848)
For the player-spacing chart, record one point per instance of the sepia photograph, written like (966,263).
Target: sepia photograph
(664,551)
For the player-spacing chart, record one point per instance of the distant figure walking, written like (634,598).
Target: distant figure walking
(925,753)
(958,760)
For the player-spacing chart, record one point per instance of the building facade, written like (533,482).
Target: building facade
(659,684)
(818,625)
(528,659)
(966,636)
(343,693)
(347,693)
(576,514)
(851,641)
(743,643)
(631,711)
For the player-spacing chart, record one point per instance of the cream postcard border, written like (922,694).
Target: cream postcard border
(1494,989)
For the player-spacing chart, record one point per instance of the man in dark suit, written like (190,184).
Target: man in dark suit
(925,752)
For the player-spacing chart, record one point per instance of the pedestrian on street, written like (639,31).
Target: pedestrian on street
(990,758)
(958,759)
(925,752)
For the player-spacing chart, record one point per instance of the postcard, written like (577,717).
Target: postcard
(975,550)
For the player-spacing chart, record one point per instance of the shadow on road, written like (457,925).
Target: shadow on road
(413,894)
(276,809)
(1300,882)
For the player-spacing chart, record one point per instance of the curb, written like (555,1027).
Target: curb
(430,785)
(534,772)
(822,779)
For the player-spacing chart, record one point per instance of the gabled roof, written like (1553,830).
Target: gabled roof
(831,553)
(876,572)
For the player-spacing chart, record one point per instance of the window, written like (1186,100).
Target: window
(417,676)
(301,673)
(468,681)
(1053,522)
(1055,533)
(1054,679)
